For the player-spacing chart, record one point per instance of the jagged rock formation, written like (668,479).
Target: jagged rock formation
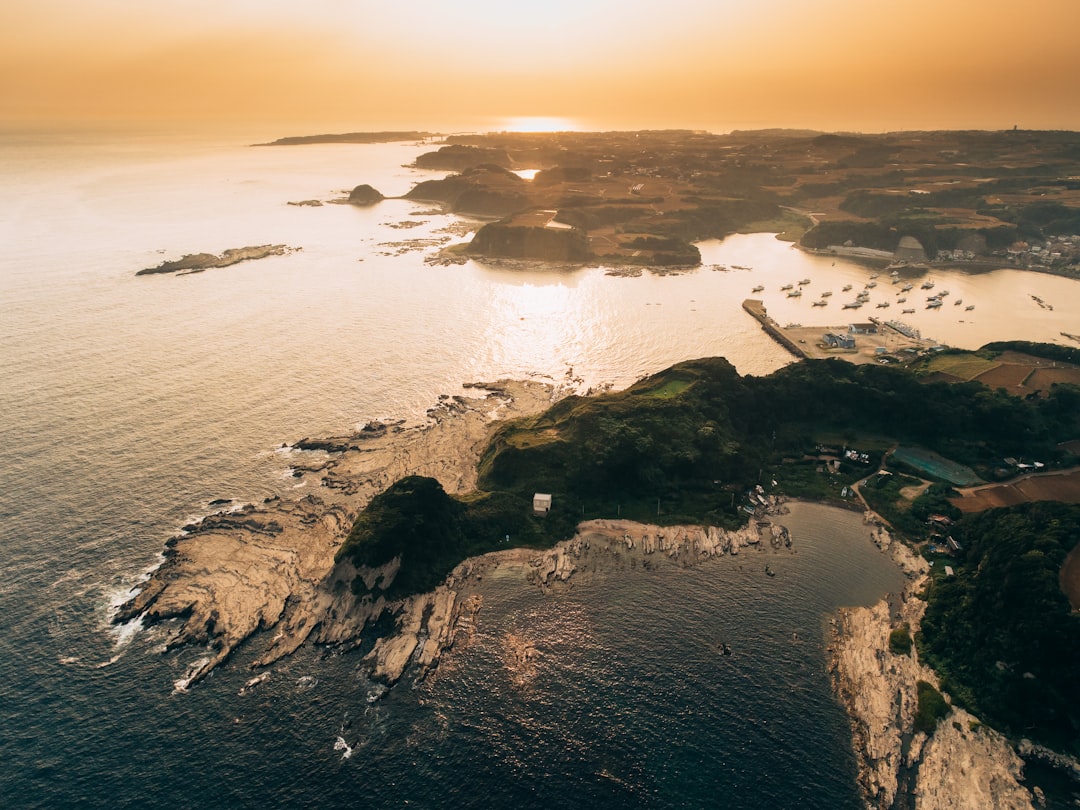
(272,568)
(961,764)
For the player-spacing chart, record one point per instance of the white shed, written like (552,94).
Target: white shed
(541,503)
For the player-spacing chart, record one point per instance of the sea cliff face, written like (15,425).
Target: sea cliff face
(962,764)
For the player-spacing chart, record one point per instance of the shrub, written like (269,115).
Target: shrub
(900,640)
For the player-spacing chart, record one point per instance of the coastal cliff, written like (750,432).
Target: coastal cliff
(960,763)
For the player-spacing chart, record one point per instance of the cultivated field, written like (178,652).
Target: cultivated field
(1054,486)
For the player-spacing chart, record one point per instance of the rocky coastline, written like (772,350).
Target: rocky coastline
(962,764)
(270,567)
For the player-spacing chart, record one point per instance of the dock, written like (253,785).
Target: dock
(891,339)
(756,308)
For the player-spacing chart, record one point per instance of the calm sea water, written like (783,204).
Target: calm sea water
(128,403)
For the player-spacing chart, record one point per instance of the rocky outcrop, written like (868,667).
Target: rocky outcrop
(272,567)
(961,764)
(198,262)
(968,765)
(506,240)
(364,195)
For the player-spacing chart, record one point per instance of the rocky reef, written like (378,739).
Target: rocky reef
(198,262)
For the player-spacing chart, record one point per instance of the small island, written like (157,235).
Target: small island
(199,262)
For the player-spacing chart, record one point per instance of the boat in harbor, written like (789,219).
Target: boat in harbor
(871,284)
(906,287)
(845,288)
(786,287)
(933,303)
(882,305)
(821,302)
(901,300)
(804,281)
(826,294)
(758,288)
(969,307)
(907,311)
(794,294)
(853,305)
(928,284)
(873,275)
(958,302)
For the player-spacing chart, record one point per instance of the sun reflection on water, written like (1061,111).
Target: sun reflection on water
(535,324)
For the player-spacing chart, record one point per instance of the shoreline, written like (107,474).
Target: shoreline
(238,573)
(962,763)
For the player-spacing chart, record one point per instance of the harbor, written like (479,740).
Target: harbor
(867,341)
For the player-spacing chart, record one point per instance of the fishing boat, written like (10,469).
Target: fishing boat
(969,307)
(901,300)
(804,281)
(871,284)
(873,275)
(928,284)
(846,288)
(906,287)
(883,304)
(758,288)
(958,302)
(786,287)
(826,294)
(794,294)
(853,305)
(907,311)
(821,302)
(933,304)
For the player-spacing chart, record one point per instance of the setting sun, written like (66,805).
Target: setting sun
(539,123)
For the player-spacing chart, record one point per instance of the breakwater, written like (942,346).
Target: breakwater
(756,309)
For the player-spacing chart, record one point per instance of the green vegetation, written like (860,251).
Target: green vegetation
(1002,631)
(687,444)
(931,707)
(432,532)
(900,640)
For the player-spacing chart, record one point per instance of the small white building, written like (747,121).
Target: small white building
(541,503)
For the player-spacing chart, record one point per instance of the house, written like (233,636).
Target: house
(541,503)
(862,329)
(835,341)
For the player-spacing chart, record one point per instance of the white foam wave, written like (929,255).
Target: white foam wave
(341,745)
(123,633)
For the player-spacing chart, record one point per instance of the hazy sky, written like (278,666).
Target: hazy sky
(715,64)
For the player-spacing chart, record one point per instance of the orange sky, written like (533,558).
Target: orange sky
(712,64)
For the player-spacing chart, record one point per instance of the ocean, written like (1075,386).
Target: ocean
(130,403)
